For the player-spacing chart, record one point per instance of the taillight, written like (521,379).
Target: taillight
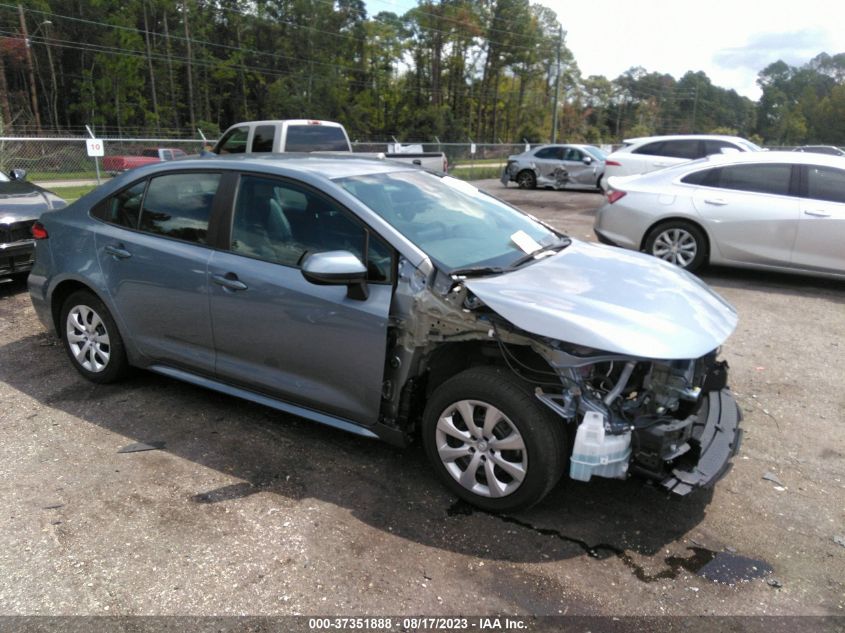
(445,165)
(613,195)
(613,163)
(38,231)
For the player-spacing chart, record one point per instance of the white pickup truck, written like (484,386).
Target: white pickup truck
(308,135)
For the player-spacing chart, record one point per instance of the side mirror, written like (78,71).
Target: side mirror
(17,174)
(337,268)
(588,160)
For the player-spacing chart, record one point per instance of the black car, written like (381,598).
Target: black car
(21,204)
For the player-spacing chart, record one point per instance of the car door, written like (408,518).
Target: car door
(750,212)
(578,171)
(277,333)
(153,251)
(820,244)
(547,160)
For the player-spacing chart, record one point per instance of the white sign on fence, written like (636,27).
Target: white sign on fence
(472,148)
(94,146)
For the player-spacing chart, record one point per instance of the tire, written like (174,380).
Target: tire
(537,455)
(91,338)
(526,179)
(678,242)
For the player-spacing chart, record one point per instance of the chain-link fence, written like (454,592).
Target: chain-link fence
(66,159)
(50,160)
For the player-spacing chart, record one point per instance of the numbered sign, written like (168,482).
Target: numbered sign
(95,146)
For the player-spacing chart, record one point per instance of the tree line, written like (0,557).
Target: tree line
(485,70)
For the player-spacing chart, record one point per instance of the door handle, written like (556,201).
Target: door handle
(719,202)
(117,251)
(817,214)
(229,281)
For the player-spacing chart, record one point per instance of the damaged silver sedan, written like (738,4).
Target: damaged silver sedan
(397,304)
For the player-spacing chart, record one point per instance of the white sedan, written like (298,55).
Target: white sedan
(781,211)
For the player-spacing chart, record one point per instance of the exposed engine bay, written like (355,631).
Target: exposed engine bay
(670,420)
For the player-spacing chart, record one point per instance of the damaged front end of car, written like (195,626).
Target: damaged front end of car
(669,417)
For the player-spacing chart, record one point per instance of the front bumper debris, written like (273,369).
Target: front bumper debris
(716,436)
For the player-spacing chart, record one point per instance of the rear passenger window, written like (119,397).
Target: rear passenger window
(687,148)
(179,206)
(122,209)
(826,183)
(705,177)
(651,149)
(762,178)
(717,147)
(553,153)
(262,138)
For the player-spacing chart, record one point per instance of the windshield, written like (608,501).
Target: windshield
(749,146)
(454,223)
(596,152)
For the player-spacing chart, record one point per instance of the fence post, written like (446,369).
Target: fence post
(96,159)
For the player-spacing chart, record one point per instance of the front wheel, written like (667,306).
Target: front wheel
(526,179)
(678,242)
(91,339)
(491,441)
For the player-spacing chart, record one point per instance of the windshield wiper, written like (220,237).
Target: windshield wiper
(477,271)
(560,244)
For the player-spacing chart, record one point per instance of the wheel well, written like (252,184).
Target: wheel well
(660,223)
(62,292)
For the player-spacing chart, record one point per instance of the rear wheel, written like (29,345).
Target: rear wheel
(91,339)
(526,179)
(491,442)
(678,242)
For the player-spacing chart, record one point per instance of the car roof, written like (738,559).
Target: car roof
(797,158)
(325,165)
(683,137)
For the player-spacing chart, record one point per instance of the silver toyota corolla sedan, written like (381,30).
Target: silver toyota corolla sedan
(395,303)
(781,211)
(558,166)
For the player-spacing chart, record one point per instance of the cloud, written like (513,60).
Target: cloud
(794,48)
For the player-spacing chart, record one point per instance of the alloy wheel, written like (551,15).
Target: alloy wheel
(675,246)
(88,338)
(481,448)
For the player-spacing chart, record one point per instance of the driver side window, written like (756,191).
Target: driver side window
(281,222)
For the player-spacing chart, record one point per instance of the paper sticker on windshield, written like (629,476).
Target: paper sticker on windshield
(525,242)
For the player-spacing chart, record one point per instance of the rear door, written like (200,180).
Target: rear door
(153,250)
(547,160)
(281,335)
(750,212)
(820,244)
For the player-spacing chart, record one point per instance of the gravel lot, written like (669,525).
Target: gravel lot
(248,511)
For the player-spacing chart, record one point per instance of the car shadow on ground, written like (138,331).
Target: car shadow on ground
(782,283)
(387,488)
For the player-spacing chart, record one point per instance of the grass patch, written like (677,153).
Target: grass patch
(71,194)
(63,175)
(465,162)
(476,173)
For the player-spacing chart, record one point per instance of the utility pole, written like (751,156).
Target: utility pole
(557,85)
(694,106)
(190,68)
(33,92)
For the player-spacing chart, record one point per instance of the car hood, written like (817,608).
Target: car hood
(25,201)
(611,300)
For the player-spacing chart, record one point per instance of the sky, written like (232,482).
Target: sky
(731,41)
